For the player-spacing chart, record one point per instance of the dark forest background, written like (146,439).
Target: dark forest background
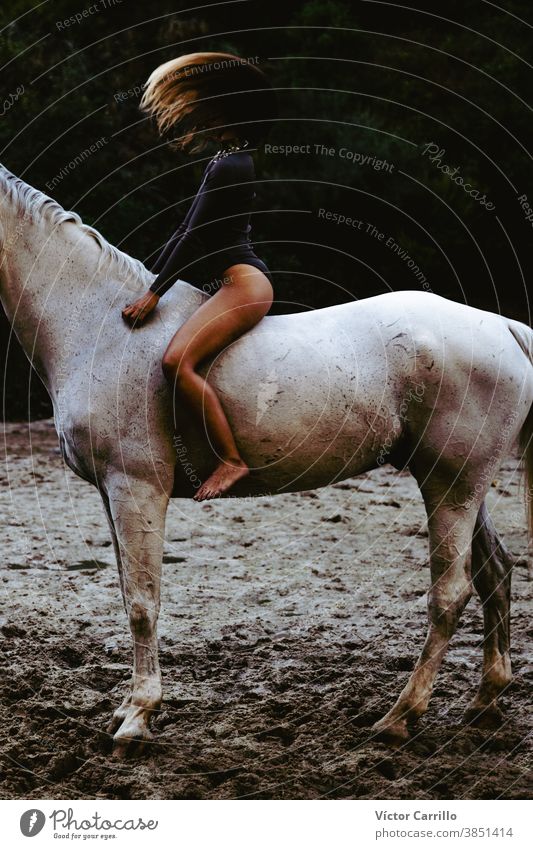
(377,79)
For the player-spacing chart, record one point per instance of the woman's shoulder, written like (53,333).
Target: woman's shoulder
(237,167)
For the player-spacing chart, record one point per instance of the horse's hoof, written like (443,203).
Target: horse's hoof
(131,738)
(117,719)
(127,746)
(128,749)
(484,716)
(393,734)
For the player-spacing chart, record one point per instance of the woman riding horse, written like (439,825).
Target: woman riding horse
(222,97)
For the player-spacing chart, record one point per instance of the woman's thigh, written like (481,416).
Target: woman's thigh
(239,304)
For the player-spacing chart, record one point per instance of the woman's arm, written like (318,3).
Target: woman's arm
(209,205)
(165,253)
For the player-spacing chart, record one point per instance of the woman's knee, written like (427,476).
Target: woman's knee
(177,369)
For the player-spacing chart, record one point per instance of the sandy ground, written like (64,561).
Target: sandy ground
(288,626)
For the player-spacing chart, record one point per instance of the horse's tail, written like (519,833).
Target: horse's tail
(524,336)
(525,441)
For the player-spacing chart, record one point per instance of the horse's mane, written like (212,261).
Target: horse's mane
(38,206)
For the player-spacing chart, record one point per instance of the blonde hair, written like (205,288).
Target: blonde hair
(200,92)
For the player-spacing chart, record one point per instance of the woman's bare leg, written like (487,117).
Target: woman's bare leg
(235,308)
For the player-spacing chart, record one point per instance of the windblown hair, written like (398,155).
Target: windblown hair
(201,92)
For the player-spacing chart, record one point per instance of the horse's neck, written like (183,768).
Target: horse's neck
(45,275)
(58,280)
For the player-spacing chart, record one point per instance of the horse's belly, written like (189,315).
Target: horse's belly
(340,439)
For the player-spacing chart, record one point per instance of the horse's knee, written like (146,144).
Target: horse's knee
(143,617)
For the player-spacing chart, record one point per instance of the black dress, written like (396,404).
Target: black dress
(215,233)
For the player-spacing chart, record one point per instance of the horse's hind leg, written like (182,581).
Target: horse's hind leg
(491,573)
(450,540)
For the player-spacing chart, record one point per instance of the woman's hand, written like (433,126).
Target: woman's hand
(141,308)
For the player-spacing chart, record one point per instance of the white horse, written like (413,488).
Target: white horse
(408,378)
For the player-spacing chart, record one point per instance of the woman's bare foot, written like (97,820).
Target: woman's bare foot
(224,476)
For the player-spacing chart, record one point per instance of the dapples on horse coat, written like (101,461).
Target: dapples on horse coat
(409,378)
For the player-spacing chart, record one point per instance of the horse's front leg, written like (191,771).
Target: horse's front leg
(120,713)
(137,512)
